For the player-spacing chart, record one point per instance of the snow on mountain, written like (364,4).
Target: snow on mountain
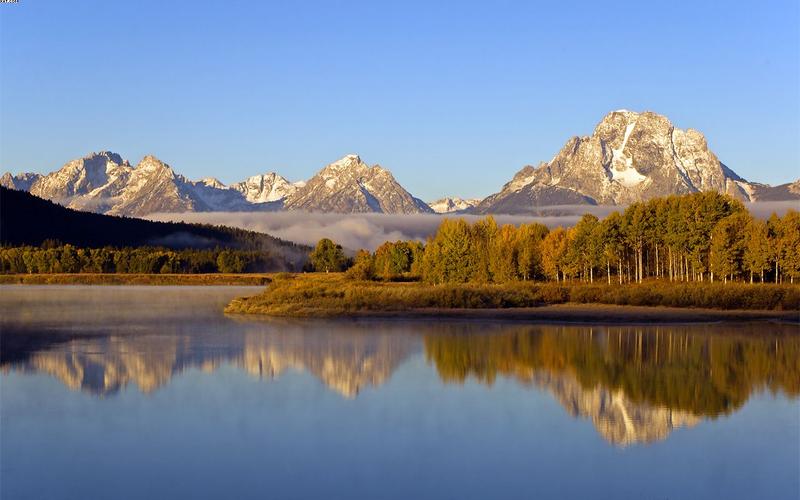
(104,182)
(629,157)
(351,186)
(20,182)
(450,205)
(265,188)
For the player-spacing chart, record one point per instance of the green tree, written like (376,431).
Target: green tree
(727,246)
(327,256)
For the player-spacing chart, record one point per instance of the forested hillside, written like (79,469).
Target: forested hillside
(26,220)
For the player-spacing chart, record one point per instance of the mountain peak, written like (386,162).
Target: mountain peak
(212,182)
(108,155)
(346,162)
(630,156)
(348,185)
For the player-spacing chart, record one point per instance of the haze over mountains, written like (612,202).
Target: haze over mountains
(629,157)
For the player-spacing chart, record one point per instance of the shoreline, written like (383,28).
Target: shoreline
(562,314)
(114,279)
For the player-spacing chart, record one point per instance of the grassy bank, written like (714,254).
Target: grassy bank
(135,279)
(334,295)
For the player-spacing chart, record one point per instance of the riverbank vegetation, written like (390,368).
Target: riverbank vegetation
(335,294)
(54,258)
(702,237)
(249,279)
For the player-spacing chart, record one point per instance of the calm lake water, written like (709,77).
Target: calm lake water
(152,392)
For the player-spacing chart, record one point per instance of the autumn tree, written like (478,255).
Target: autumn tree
(363,266)
(327,256)
(756,248)
(554,248)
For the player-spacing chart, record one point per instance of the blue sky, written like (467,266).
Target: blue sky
(452,97)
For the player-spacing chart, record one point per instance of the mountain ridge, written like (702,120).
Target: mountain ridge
(629,157)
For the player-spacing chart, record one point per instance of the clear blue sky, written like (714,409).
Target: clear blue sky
(453,97)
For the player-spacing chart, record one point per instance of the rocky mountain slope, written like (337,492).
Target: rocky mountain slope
(351,186)
(629,157)
(105,183)
(265,188)
(452,205)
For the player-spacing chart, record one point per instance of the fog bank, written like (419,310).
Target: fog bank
(354,231)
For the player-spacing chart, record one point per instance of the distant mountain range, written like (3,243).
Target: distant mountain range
(629,157)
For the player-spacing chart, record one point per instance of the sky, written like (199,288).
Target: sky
(452,97)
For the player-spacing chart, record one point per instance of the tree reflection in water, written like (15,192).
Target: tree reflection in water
(636,384)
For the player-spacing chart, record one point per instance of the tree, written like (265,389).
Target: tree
(776,241)
(728,245)
(447,254)
(327,256)
(529,250)
(756,248)
(790,236)
(362,268)
(503,255)
(554,246)
(482,235)
(393,259)
(585,249)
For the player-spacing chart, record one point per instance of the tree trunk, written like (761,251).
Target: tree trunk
(669,258)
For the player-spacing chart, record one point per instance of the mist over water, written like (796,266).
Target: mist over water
(355,231)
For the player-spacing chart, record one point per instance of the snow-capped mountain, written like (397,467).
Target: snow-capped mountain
(630,157)
(266,188)
(351,186)
(20,182)
(451,205)
(104,182)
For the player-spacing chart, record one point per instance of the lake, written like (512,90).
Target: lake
(152,392)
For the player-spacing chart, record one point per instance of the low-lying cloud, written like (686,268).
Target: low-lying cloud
(354,231)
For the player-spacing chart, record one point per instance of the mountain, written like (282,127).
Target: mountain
(21,182)
(105,183)
(629,157)
(351,186)
(26,219)
(265,188)
(782,192)
(452,205)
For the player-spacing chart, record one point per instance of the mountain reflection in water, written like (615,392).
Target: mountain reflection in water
(636,384)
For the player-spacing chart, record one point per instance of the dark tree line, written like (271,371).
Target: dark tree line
(29,220)
(695,237)
(53,257)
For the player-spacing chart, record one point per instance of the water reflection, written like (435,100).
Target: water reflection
(636,384)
